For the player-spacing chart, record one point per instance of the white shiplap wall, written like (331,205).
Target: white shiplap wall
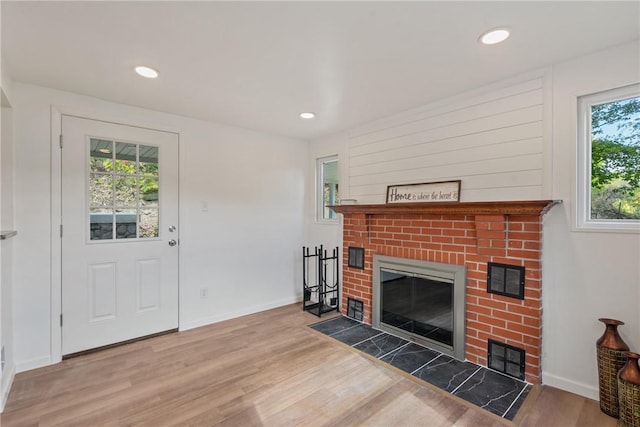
(492,141)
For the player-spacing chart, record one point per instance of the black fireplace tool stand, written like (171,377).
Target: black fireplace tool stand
(320,292)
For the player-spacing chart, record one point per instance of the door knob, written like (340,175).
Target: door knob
(172,242)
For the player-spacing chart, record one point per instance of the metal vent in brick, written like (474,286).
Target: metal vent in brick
(355,309)
(356,257)
(506,359)
(505,279)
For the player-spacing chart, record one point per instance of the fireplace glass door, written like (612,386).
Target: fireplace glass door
(418,305)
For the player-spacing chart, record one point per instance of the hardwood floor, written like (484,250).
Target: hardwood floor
(266,369)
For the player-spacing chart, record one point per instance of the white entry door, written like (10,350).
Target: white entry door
(119,233)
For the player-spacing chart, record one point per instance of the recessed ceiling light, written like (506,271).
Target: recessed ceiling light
(147,72)
(308,115)
(104,150)
(494,36)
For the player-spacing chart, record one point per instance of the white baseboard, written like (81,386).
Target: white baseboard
(566,384)
(7,381)
(28,365)
(233,314)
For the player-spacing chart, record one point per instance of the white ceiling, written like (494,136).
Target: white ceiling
(259,64)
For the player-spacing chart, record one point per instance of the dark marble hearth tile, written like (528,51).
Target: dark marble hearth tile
(490,390)
(497,393)
(511,413)
(380,345)
(410,357)
(334,325)
(356,334)
(446,372)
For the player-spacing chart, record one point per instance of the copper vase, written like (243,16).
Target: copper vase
(612,355)
(629,392)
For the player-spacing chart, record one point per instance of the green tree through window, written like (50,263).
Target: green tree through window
(615,159)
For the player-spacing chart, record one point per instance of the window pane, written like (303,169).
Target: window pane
(101,155)
(126,223)
(126,158)
(100,190)
(101,224)
(148,160)
(149,223)
(148,191)
(126,191)
(123,190)
(615,160)
(331,194)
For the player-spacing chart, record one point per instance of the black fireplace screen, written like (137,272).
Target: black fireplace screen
(418,305)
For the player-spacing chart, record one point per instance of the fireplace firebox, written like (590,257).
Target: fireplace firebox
(421,301)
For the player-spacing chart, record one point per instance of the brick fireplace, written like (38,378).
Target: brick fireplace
(469,234)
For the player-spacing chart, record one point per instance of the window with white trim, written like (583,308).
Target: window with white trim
(328,192)
(608,187)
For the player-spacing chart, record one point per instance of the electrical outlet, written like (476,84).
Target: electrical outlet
(204,293)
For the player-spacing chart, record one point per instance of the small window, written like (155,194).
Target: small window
(123,190)
(328,191)
(609,160)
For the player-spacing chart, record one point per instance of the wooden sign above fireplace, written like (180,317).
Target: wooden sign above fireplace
(428,192)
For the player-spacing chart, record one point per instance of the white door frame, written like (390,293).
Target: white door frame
(56,210)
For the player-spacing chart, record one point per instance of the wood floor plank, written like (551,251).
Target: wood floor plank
(266,369)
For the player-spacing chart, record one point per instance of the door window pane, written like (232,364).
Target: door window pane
(101,155)
(148,160)
(126,223)
(123,190)
(126,158)
(101,224)
(100,190)
(126,191)
(148,191)
(148,224)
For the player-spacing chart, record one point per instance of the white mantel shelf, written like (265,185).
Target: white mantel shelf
(516,207)
(4,235)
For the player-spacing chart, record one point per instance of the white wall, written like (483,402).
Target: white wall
(244,248)
(493,139)
(327,233)
(6,249)
(6,223)
(523,134)
(586,275)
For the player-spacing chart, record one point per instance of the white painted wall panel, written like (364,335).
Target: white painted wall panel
(102,291)
(491,141)
(450,171)
(148,283)
(448,144)
(505,150)
(466,100)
